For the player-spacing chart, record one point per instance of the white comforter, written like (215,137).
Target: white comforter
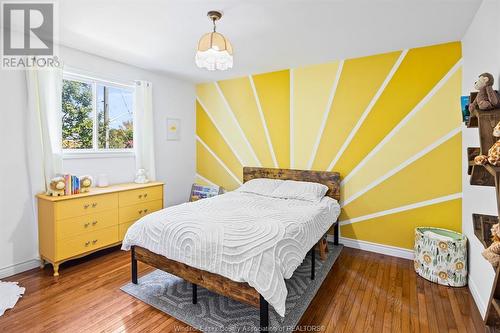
(244,237)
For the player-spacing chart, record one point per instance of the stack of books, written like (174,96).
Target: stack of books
(72,184)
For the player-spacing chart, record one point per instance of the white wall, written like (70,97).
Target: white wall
(175,160)
(481,53)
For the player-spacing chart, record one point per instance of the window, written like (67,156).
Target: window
(97,116)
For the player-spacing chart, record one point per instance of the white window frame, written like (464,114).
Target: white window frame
(97,152)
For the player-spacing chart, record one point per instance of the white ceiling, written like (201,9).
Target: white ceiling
(162,35)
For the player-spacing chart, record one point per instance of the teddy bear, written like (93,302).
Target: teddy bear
(85,183)
(492,253)
(487,98)
(57,186)
(493,157)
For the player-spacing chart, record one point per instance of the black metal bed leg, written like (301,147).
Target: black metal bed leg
(264,315)
(336,234)
(313,263)
(133,265)
(195,293)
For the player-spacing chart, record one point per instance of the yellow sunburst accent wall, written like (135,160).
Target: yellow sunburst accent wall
(389,123)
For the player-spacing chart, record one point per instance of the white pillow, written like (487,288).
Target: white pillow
(307,191)
(262,186)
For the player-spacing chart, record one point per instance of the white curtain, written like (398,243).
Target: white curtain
(44,126)
(144,128)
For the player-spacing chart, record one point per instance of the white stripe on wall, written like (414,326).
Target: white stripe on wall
(326,114)
(403,122)
(219,160)
(368,109)
(403,208)
(220,132)
(403,165)
(233,117)
(263,119)
(206,180)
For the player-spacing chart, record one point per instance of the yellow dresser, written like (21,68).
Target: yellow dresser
(76,225)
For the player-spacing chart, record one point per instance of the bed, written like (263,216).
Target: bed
(240,245)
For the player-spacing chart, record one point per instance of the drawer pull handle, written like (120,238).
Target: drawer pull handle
(86,206)
(94,205)
(94,241)
(140,212)
(87,243)
(86,225)
(140,196)
(145,195)
(145,210)
(94,223)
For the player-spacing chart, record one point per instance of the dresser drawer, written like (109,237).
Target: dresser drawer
(122,229)
(86,223)
(87,205)
(86,242)
(135,212)
(133,197)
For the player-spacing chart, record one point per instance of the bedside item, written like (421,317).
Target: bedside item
(73,226)
(57,187)
(141,177)
(102,180)
(85,183)
(204,191)
(441,256)
(173,129)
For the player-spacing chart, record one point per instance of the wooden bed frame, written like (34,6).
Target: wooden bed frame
(239,291)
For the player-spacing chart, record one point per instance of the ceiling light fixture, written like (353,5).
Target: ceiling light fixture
(214,50)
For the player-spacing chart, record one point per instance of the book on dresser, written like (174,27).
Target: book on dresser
(73,226)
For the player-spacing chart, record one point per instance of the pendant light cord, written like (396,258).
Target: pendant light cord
(213,21)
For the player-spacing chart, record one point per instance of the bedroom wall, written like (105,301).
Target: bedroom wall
(171,98)
(481,53)
(389,123)
(175,159)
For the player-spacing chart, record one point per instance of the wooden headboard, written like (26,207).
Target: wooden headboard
(328,178)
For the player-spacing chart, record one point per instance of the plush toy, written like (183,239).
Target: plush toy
(85,184)
(486,98)
(493,153)
(492,253)
(57,186)
(493,157)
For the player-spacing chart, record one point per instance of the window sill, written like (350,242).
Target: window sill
(97,155)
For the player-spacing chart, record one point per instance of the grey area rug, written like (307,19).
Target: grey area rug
(215,313)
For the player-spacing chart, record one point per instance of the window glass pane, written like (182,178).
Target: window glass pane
(76,115)
(114,118)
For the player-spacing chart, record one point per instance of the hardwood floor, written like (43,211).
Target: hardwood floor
(364,292)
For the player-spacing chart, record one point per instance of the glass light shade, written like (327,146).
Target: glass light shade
(215,52)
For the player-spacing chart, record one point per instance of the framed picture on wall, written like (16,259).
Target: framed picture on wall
(173,129)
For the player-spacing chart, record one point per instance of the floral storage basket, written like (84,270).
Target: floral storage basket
(441,256)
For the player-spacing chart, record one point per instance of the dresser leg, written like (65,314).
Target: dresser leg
(42,263)
(56,269)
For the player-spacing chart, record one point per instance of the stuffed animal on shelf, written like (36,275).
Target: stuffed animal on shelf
(487,98)
(492,253)
(57,186)
(85,184)
(493,157)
